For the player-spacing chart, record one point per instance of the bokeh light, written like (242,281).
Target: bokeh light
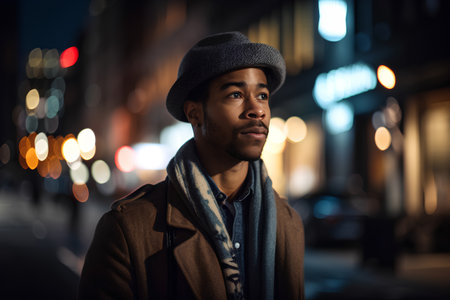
(39,112)
(80,175)
(339,118)
(31,159)
(386,77)
(100,171)
(301,181)
(59,84)
(295,129)
(332,19)
(31,123)
(69,57)
(23,162)
(57,147)
(55,167)
(35,58)
(80,192)
(75,164)
(5,153)
(86,142)
(176,135)
(51,63)
(32,138)
(24,145)
(392,112)
(382,138)
(41,146)
(276,139)
(276,130)
(378,120)
(124,159)
(342,83)
(51,125)
(43,168)
(149,156)
(52,106)
(32,99)
(70,150)
(88,155)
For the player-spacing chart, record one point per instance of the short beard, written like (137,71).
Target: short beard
(239,156)
(232,149)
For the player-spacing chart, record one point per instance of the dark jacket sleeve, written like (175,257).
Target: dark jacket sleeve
(107,271)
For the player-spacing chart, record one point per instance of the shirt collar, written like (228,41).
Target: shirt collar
(244,192)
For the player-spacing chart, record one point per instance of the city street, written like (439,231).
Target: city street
(41,255)
(97,96)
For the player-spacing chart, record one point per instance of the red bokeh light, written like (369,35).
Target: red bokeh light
(69,57)
(124,159)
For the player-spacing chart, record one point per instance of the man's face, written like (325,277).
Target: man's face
(236,115)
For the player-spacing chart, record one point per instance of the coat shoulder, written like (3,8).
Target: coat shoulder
(287,212)
(145,196)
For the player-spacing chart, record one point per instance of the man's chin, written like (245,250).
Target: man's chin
(246,155)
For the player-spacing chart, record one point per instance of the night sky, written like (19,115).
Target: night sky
(51,23)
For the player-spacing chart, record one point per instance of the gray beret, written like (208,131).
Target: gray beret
(218,54)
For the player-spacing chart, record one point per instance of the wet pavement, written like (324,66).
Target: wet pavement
(42,247)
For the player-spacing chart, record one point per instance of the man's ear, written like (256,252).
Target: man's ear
(194,112)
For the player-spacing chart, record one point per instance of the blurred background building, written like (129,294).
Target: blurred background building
(359,140)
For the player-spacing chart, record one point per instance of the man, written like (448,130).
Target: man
(214,229)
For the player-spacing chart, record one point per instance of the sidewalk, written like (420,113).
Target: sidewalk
(338,275)
(41,255)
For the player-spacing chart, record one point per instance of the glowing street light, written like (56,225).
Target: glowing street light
(386,77)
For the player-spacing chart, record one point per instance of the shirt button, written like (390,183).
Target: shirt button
(237,245)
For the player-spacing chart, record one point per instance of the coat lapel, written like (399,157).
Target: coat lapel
(194,255)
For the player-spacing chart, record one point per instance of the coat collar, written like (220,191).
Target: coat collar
(193,253)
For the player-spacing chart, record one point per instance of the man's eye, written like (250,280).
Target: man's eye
(263,96)
(235,95)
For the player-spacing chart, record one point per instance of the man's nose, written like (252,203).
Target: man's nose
(255,110)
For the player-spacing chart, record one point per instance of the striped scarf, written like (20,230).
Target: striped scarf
(185,172)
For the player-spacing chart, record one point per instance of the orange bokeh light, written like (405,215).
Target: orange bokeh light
(51,145)
(24,145)
(43,168)
(23,162)
(31,159)
(55,167)
(57,146)
(80,192)
(32,137)
(386,77)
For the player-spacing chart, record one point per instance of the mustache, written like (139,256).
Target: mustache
(252,124)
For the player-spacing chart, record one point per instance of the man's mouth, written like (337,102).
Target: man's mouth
(257,132)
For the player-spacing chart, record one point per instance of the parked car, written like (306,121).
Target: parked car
(329,219)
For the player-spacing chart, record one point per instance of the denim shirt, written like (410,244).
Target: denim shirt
(235,216)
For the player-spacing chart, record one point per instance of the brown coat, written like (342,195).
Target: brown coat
(128,257)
